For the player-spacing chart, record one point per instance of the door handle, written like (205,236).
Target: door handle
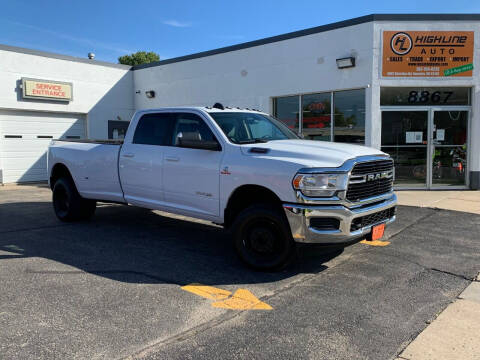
(128,155)
(171,158)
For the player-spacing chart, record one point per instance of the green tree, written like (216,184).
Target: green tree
(140,57)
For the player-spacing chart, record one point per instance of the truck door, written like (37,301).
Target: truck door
(141,160)
(191,174)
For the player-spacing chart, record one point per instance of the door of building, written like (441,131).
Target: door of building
(24,140)
(428,145)
(448,148)
(405,138)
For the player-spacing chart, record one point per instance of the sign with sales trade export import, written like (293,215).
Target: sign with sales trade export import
(427,53)
(46,90)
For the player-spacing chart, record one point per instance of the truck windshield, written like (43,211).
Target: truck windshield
(249,128)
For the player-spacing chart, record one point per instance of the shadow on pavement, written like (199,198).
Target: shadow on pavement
(135,245)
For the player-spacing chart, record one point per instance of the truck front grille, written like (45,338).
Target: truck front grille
(369,179)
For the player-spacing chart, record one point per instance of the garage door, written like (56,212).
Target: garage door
(24,140)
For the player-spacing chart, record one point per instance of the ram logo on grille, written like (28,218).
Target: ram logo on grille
(380,175)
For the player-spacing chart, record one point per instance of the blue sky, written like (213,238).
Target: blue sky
(176,27)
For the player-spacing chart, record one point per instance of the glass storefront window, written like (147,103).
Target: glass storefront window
(449,166)
(316,109)
(410,165)
(286,110)
(429,146)
(404,128)
(415,96)
(349,119)
(449,148)
(404,138)
(450,127)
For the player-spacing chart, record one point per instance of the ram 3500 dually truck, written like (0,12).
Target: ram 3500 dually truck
(240,168)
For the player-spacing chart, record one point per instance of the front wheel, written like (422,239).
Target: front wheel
(262,238)
(68,204)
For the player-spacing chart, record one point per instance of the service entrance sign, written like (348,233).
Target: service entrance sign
(427,53)
(46,90)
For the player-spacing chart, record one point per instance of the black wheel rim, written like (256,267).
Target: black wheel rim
(262,241)
(61,201)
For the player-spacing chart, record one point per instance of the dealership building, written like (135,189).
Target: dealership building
(405,84)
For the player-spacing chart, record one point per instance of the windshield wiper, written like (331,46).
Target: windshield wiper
(252,141)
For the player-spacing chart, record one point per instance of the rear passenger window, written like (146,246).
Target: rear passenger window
(154,129)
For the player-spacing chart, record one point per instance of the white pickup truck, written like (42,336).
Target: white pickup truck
(239,168)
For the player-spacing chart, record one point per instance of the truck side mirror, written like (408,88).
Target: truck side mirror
(193,140)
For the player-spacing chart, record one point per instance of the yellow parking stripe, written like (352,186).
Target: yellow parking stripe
(375,242)
(208,292)
(242,300)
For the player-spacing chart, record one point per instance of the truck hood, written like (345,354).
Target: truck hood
(309,153)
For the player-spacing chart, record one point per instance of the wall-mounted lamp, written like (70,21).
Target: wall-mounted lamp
(344,63)
(150,94)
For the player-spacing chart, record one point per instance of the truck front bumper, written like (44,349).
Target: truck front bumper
(338,224)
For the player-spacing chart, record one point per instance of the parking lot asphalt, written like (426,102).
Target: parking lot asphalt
(111,287)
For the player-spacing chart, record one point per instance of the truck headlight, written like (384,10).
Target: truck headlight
(319,185)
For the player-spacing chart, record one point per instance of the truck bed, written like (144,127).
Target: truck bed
(93,165)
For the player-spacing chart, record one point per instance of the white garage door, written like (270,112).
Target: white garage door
(24,139)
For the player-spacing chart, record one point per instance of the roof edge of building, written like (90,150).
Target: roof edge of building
(315,30)
(62,57)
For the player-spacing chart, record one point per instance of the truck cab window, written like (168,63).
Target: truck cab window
(194,126)
(245,128)
(154,129)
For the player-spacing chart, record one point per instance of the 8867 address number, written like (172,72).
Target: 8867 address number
(424,97)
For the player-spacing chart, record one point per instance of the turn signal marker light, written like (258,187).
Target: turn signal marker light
(296,181)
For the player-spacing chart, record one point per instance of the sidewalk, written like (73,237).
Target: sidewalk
(454,334)
(464,200)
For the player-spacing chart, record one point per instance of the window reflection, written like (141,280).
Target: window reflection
(450,127)
(316,116)
(349,119)
(404,127)
(449,165)
(410,165)
(286,110)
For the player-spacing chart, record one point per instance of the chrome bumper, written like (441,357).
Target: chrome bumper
(299,216)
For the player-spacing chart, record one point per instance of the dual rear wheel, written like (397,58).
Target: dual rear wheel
(68,204)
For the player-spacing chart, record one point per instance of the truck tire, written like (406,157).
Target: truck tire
(262,238)
(68,204)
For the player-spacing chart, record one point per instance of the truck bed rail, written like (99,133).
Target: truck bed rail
(94,141)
